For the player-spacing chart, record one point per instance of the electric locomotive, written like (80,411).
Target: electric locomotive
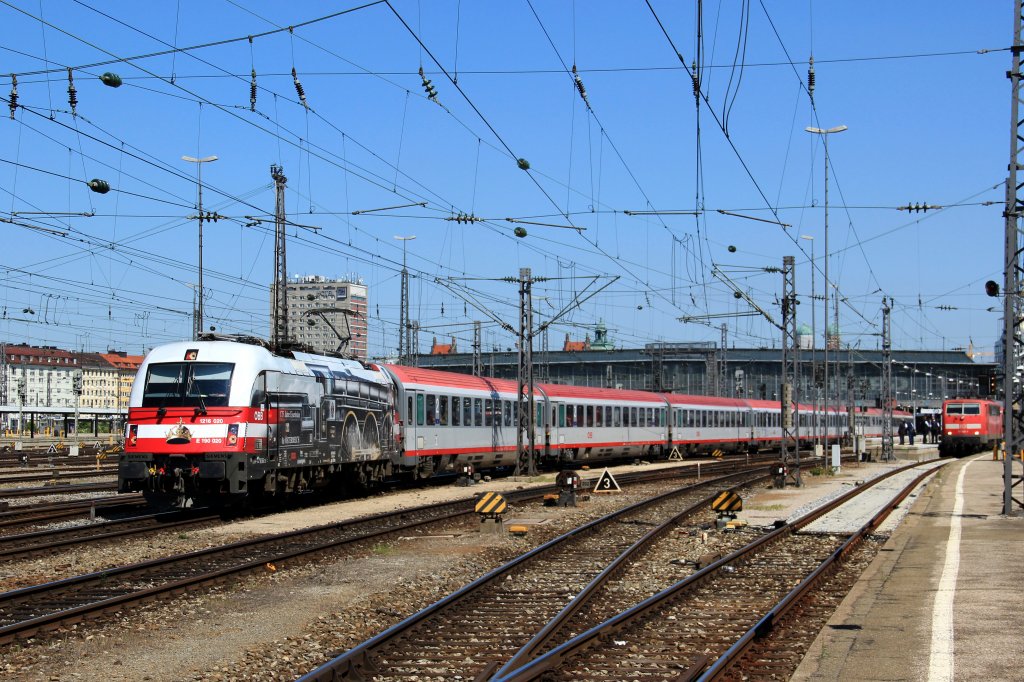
(220,420)
(970,425)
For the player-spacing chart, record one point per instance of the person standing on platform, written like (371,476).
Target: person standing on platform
(902,431)
(911,431)
(927,430)
(936,430)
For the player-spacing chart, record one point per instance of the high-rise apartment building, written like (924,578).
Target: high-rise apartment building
(316,304)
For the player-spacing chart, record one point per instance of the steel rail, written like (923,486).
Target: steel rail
(437,514)
(57,490)
(56,474)
(32,513)
(766,624)
(357,662)
(547,633)
(42,542)
(554,658)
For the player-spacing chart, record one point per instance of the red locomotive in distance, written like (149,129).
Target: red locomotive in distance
(970,425)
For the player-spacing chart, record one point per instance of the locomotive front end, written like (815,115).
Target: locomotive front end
(189,435)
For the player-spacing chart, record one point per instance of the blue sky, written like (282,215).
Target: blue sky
(920,85)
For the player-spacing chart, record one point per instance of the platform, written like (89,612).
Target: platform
(942,600)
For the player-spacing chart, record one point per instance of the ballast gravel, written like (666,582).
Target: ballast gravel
(285,621)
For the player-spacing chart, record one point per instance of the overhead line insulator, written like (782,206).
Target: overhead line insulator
(579,86)
(13,99)
(695,78)
(72,93)
(810,79)
(428,87)
(299,89)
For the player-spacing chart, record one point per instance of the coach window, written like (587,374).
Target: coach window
(617,416)
(419,409)
(589,418)
(599,415)
(456,410)
(431,410)
(467,411)
(488,412)
(408,410)
(508,413)
(442,408)
(478,411)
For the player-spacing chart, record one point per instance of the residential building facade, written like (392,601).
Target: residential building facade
(320,309)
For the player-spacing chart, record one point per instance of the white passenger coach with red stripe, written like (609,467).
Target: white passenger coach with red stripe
(229,419)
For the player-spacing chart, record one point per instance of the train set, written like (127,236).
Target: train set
(229,420)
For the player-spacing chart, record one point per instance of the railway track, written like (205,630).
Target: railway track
(55,475)
(16,517)
(69,489)
(721,621)
(43,542)
(29,611)
(473,631)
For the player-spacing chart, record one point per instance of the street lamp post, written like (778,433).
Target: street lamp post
(824,133)
(197,324)
(814,343)
(404,327)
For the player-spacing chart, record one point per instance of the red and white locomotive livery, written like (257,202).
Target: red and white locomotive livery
(229,420)
(970,425)
(220,419)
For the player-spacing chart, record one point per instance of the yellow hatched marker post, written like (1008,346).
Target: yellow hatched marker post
(491,506)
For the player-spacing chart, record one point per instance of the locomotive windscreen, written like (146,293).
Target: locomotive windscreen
(188,384)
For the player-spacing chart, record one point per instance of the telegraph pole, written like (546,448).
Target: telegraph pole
(1014,400)
(279,331)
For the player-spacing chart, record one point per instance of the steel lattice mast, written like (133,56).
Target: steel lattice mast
(886,382)
(1014,400)
(279,324)
(790,371)
(525,435)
